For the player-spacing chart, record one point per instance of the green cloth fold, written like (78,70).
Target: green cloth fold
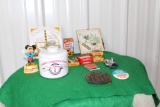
(32,90)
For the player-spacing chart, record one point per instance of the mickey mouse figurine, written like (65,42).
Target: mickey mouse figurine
(30,53)
(31,66)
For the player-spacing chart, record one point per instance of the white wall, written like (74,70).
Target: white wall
(0,82)
(1,74)
(158,78)
(129,27)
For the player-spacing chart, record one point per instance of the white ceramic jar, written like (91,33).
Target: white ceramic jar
(53,62)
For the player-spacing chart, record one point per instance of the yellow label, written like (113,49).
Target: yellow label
(30,69)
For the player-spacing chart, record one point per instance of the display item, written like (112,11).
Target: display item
(120,74)
(110,63)
(91,66)
(31,66)
(68,44)
(85,59)
(53,62)
(43,37)
(90,40)
(97,55)
(98,78)
(73,62)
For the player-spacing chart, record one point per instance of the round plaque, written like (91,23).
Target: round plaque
(120,74)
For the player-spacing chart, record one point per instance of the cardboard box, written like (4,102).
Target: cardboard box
(68,44)
(85,59)
(97,56)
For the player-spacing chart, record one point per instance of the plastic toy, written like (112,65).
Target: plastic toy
(31,66)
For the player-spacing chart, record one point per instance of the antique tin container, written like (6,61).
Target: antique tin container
(53,62)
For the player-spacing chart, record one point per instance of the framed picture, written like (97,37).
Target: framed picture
(46,36)
(90,40)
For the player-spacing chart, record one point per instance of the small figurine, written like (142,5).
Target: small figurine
(110,63)
(31,66)
(30,53)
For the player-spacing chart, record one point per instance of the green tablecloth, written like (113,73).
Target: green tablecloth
(72,90)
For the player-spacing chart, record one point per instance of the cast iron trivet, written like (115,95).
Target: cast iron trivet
(98,78)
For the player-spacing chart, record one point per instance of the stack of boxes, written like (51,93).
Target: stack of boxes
(97,56)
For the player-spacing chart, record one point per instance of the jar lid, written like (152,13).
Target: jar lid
(52,48)
(53,51)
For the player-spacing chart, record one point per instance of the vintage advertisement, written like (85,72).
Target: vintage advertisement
(46,36)
(90,40)
(43,37)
